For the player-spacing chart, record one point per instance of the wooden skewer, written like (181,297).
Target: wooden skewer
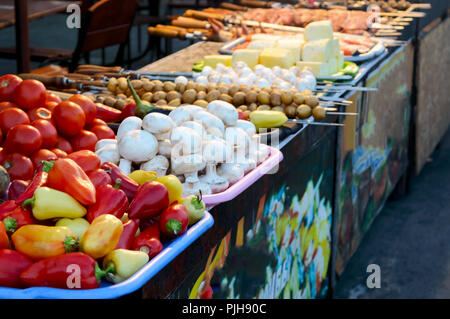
(403,14)
(342,113)
(312,122)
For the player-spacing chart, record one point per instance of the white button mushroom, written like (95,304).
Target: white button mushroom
(186,140)
(160,125)
(131,123)
(165,148)
(105,142)
(109,153)
(247,126)
(125,166)
(184,113)
(232,172)
(202,79)
(206,70)
(158,164)
(196,127)
(209,120)
(224,111)
(138,146)
(214,152)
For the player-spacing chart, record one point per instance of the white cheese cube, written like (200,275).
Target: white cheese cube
(317,51)
(261,44)
(318,68)
(340,60)
(294,45)
(283,58)
(249,56)
(335,49)
(319,30)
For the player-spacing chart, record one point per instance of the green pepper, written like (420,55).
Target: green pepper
(141,109)
(350,68)
(195,208)
(198,66)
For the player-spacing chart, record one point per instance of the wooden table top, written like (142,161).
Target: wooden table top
(36,9)
(183,60)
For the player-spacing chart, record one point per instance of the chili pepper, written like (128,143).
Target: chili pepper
(40,179)
(99,177)
(128,111)
(86,159)
(50,203)
(102,236)
(123,264)
(148,241)
(140,176)
(195,208)
(108,114)
(4,239)
(174,187)
(16,188)
(110,200)
(67,176)
(59,272)
(39,241)
(151,198)
(17,218)
(6,207)
(129,233)
(174,221)
(77,225)
(128,185)
(12,264)
(198,66)
(141,109)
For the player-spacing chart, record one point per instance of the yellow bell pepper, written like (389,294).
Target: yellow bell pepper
(268,119)
(174,187)
(121,264)
(140,176)
(102,236)
(50,203)
(77,225)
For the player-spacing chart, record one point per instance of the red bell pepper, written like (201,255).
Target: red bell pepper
(151,198)
(40,179)
(99,177)
(127,184)
(4,239)
(149,241)
(108,114)
(128,234)
(128,110)
(16,188)
(12,264)
(60,271)
(6,207)
(17,218)
(174,220)
(67,176)
(86,159)
(109,200)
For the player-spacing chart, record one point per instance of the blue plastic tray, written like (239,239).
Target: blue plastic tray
(108,290)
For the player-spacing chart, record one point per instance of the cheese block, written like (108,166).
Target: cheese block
(317,51)
(335,49)
(318,68)
(294,45)
(213,60)
(265,36)
(333,65)
(261,44)
(319,30)
(340,60)
(249,56)
(284,58)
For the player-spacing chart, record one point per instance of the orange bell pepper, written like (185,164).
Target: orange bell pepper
(68,177)
(39,241)
(4,240)
(102,236)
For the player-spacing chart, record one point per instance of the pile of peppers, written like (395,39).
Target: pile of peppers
(78,221)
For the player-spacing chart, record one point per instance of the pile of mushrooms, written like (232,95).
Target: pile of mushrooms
(209,148)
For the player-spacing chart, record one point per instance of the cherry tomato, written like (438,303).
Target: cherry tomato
(8,86)
(3,155)
(69,118)
(30,94)
(59,153)
(24,139)
(103,132)
(64,145)
(48,132)
(5,105)
(88,106)
(95,122)
(50,105)
(11,117)
(84,141)
(19,167)
(51,97)
(39,113)
(43,155)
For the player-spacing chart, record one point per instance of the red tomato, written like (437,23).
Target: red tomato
(24,139)
(50,105)
(48,132)
(3,155)
(8,86)
(19,167)
(5,105)
(88,106)
(95,122)
(43,155)
(64,145)
(69,118)
(11,117)
(84,141)
(39,113)
(59,153)
(103,132)
(30,94)
(51,97)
